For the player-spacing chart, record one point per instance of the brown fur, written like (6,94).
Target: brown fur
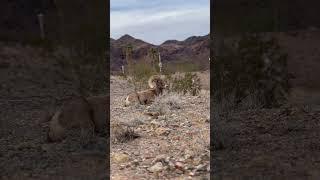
(147,96)
(79,113)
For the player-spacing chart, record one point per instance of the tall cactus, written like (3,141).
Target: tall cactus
(127,51)
(153,56)
(41,24)
(160,64)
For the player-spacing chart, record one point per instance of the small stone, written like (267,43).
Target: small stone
(171,164)
(120,157)
(135,162)
(187,156)
(187,168)
(201,167)
(162,131)
(156,168)
(192,174)
(207,119)
(159,158)
(178,171)
(179,165)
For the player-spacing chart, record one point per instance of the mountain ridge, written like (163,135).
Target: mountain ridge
(194,49)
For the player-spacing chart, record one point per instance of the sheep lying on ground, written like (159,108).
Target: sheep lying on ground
(79,112)
(156,84)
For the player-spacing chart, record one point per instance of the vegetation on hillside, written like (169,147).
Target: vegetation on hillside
(255,68)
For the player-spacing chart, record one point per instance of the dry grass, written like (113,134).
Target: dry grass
(165,103)
(121,133)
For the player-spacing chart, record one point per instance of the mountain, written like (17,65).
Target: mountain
(194,50)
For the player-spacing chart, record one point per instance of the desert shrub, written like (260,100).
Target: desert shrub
(255,67)
(121,133)
(189,83)
(166,103)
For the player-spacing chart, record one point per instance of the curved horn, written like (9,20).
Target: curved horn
(151,82)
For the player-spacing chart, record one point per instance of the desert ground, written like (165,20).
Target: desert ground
(175,145)
(33,85)
(268,143)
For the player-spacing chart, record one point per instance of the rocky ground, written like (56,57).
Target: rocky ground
(175,145)
(280,143)
(33,83)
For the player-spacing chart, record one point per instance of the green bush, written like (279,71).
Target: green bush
(189,83)
(255,67)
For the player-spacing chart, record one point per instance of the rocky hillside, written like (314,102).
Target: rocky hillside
(194,49)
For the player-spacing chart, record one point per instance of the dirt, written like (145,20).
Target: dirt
(173,146)
(278,143)
(33,85)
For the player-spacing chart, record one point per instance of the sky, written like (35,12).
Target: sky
(156,21)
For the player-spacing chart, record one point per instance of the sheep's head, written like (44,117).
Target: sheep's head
(158,83)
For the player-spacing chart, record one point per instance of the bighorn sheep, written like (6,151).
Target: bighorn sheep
(79,112)
(156,84)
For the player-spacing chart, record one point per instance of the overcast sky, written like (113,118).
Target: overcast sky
(156,21)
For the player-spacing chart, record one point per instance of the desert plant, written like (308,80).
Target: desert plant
(121,133)
(189,83)
(153,57)
(165,103)
(256,66)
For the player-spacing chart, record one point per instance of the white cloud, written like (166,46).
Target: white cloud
(158,24)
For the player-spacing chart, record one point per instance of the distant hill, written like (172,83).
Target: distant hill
(194,49)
